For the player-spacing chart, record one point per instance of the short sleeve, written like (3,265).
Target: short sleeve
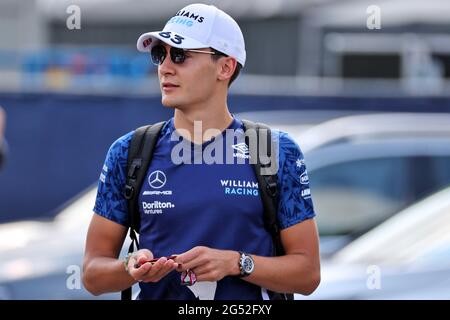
(295,202)
(110,202)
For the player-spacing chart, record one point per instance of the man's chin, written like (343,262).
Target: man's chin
(168,103)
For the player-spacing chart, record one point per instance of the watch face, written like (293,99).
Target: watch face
(248,265)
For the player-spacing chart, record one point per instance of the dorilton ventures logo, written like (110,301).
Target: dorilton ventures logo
(156,207)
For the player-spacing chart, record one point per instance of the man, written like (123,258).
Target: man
(209,216)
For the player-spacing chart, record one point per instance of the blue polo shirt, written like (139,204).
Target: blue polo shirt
(204,195)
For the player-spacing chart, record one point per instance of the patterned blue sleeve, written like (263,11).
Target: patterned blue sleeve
(110,202)
(295,203)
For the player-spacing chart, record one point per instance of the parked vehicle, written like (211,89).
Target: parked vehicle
(365,168)
(405,257)
(296,122)
(43,260)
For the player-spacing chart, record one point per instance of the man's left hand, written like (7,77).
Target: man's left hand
(209,264)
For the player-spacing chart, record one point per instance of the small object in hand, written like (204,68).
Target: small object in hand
(188,278)
(153,261)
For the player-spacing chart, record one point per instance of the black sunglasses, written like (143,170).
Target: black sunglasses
(177,55)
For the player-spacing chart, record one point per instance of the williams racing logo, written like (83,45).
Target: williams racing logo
(241,151)
(191,15)
(240,187)
(186,18)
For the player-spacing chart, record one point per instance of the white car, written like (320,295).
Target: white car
(43,260)
(405,257)
(363,169)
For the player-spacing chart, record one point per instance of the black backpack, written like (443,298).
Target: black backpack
(140,153)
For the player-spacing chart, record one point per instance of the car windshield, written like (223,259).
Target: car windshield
(352,197)
(347,201)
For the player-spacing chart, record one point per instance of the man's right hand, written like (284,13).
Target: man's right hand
(148,272)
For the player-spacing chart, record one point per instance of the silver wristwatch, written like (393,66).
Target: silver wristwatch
(246,264)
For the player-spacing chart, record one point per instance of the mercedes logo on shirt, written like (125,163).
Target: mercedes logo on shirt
(157,179)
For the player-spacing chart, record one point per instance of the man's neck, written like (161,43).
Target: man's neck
(200,125)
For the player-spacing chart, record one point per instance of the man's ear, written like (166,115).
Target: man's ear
(226,67)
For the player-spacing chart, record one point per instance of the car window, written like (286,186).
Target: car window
(354,196)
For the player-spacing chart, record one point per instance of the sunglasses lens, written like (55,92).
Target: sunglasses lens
(177,55)
(158,54)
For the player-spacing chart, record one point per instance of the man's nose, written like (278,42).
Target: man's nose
(167,66)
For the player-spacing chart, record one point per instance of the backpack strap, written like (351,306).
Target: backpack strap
(268,183)
(140,153)
(268,186)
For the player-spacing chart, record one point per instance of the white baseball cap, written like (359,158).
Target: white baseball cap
(199,26)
